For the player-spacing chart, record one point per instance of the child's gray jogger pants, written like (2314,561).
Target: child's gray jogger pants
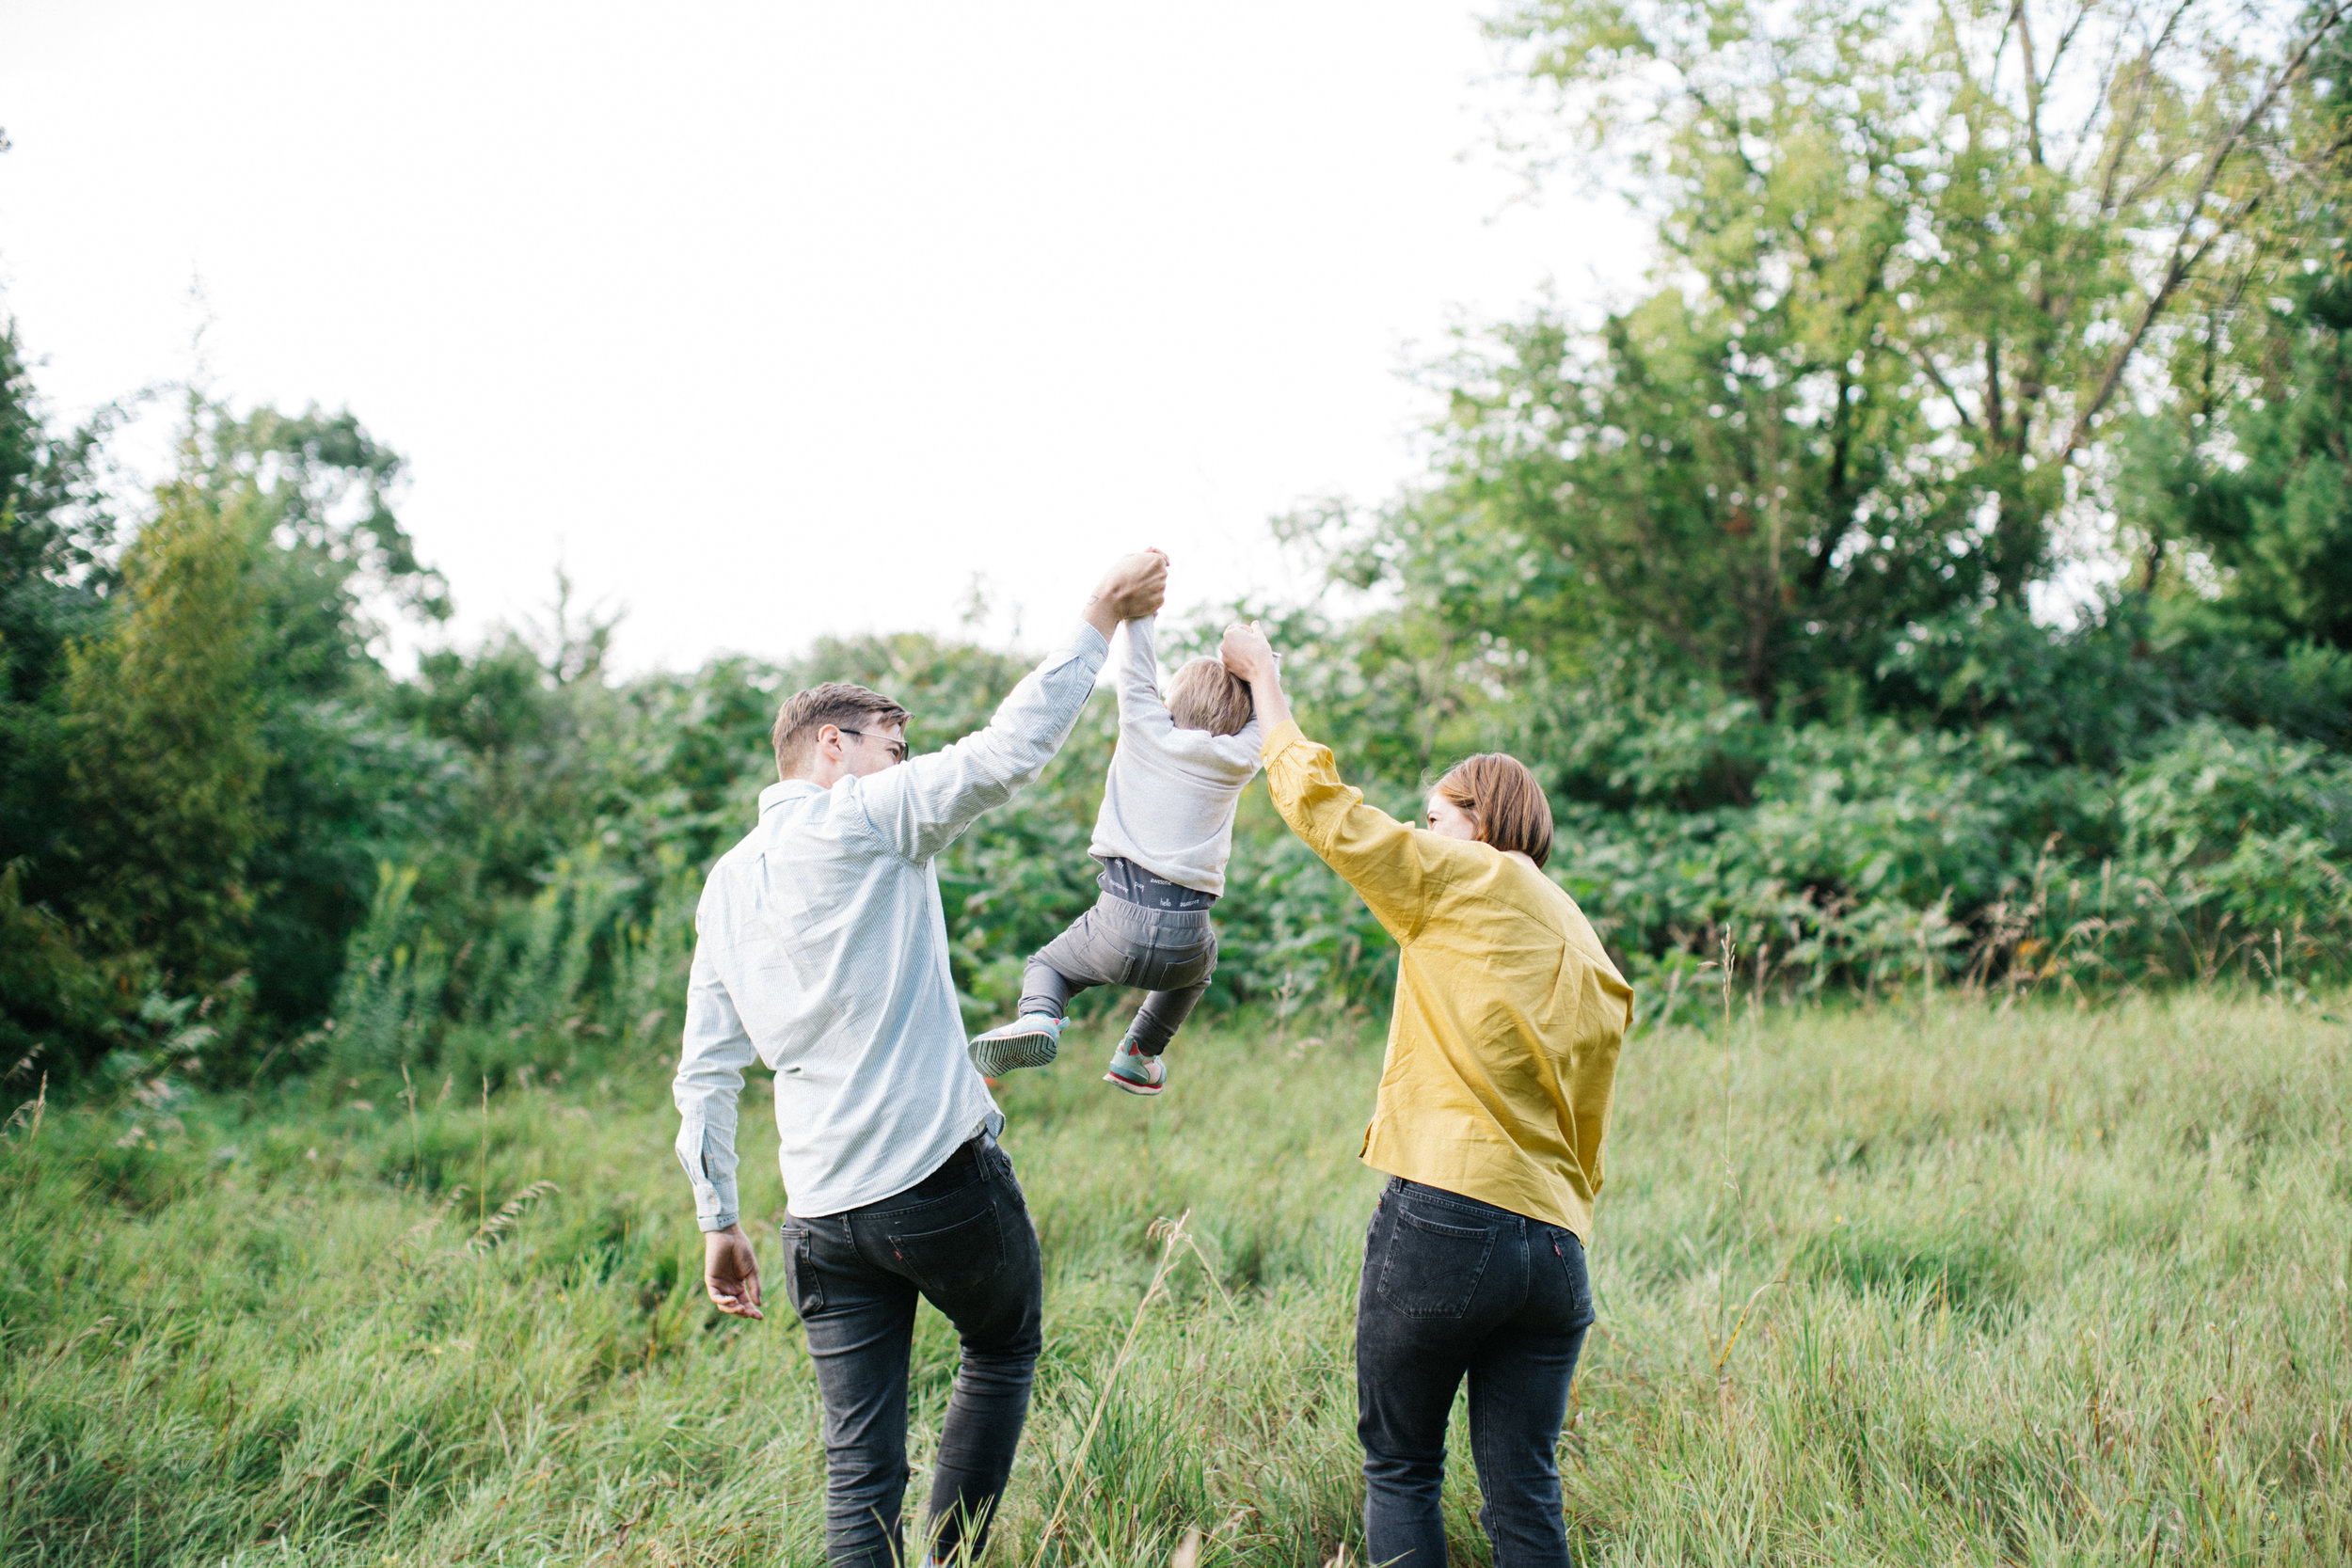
(1170,953)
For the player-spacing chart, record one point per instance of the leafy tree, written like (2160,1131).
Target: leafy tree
(1911,257)
(59,1001)
(2263,486)
(349,784)
(164,759)
(1665,485)
(203,768)
(530,715)
(56,537)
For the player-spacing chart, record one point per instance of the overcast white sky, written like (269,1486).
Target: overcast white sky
(782,318)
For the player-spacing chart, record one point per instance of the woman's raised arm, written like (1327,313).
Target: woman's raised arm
(1397,871)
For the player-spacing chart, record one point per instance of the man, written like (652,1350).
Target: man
(823,950)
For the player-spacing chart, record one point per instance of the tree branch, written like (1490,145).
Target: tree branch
(2123,142)
(2066,40)
(1993,420)
(1927,364)
(2183,261)
(2033,85)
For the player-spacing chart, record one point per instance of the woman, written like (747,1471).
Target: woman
(1493,1104)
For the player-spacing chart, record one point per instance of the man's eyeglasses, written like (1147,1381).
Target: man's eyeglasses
(898,748)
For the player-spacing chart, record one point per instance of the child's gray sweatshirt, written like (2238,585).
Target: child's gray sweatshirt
(1169,802)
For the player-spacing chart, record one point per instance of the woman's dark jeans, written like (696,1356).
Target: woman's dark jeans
(961,1239)
(1454,1287)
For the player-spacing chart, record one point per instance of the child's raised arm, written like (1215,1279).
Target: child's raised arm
(1139,678)
(1248,653)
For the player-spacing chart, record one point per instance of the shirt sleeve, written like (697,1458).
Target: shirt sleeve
(921,806)
(710,1081)
(1244,748)
(1139,705)
(1397,871)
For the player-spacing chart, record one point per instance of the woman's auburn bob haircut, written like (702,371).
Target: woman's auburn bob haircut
(1504,799)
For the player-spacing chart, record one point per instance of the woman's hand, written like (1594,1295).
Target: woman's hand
(1248,653)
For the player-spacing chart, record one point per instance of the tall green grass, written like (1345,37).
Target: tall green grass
(1924,1283)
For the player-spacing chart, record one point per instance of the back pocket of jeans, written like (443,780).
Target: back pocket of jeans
(1433,1266)
(1571,1253)
(801,1279)
(955,1257)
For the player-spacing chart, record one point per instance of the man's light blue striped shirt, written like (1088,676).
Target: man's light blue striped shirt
(821,950)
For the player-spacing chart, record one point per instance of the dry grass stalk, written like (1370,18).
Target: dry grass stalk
(495,1228)
(1174,1239)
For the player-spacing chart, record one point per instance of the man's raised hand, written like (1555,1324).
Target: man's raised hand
(1134,586)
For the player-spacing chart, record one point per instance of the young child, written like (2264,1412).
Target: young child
(1163,835)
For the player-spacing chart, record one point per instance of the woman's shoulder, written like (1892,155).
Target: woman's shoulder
(1486,886)
(1513,887)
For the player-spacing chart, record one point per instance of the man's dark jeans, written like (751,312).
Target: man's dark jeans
(1454,1287)
(961,1239)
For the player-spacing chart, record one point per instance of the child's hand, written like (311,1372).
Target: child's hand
(1246,653)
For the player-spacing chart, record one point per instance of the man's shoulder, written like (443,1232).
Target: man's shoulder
(728,870)
(805,826)
(733,856)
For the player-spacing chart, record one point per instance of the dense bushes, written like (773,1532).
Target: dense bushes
(1871,852)
(1860,854)
(491,866)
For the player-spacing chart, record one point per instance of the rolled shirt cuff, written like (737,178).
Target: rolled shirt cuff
(715,1203)
(1084,641)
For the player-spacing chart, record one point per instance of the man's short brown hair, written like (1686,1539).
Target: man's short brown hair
(835,703)
(1504,799)
(1205,695)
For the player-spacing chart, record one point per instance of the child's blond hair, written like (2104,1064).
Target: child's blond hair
(1205,695)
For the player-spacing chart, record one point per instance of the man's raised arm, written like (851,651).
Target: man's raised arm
(921,806)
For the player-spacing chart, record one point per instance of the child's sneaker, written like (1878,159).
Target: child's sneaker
(1030,1040)
(1135,1073)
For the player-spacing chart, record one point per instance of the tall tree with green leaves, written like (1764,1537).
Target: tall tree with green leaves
(349,784)
(164,759)
(1913,261)
(2261,486)
(206,760)
(57,535)
(2236,483)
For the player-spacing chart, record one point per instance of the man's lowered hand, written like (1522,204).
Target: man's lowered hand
(731,1272)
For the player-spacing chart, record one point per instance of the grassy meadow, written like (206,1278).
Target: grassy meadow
(1921,1283)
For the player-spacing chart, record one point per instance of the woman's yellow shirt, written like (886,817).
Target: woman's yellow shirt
(1502,1050)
